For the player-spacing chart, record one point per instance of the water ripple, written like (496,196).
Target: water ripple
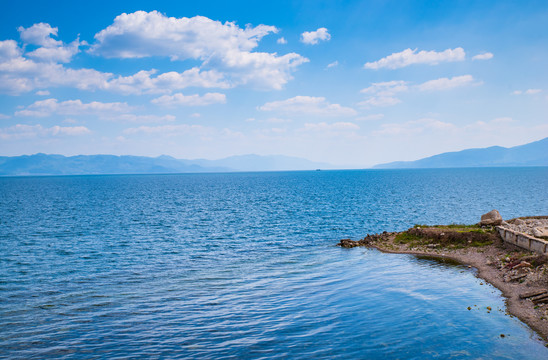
(238,266)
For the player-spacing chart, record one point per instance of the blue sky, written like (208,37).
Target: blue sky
(353,83)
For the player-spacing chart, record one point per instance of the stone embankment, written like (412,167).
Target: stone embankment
(529,233)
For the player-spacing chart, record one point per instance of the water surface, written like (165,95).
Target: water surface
(243,265)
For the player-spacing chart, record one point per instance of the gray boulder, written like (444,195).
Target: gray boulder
(491,218)
(540,232)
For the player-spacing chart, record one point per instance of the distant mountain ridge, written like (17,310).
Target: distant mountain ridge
(531,154)
(45,164)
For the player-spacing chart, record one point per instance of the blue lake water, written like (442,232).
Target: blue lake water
(244,265)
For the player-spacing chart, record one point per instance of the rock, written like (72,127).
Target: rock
(517,277)
(533,293)
(347,243)
(540,232)
(519,222)
(522,264)
(491,218)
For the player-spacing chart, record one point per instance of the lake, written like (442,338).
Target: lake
(244,265)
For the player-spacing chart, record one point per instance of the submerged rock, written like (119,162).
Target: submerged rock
(491,218)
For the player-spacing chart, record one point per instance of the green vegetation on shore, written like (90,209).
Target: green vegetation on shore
(454,236)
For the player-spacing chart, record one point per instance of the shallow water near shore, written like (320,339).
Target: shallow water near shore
(244,265)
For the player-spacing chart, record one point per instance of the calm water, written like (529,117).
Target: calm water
(244,266)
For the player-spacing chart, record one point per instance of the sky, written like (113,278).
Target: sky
(351,83)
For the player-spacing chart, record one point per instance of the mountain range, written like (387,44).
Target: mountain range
(531,154)
(45,164)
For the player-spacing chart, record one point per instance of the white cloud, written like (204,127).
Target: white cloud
(226,48)
(308,105)
(231,134)
(42,93)
(142,118)
(145,81)
(50,49)
(71,107)
(275,120)
(9,50)
(261,70)
(384,93)
(414,127)
(409,57)
(314,37)
(484,56)
(195,115)
(144,34)
(69,130)
(325,127)
(527,92)
(271,132)
(190,100)
(281,41)
(333,64)
(380,101)
(431,130)
(61,54)
(503,120)
(446,83)
(169,130)
(39,34)
(19,74)
(371,117)
(22,131)
(490,126)
(386,88)
(3,116)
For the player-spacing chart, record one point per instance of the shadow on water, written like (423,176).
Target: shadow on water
(440,261)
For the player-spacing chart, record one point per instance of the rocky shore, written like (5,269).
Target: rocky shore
(522,276)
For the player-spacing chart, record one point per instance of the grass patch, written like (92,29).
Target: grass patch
(407,238)
(455,236)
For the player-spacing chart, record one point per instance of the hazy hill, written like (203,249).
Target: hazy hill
(262,163)
(44,164)
(532,154)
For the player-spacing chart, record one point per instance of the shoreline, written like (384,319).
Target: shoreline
(486,260)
